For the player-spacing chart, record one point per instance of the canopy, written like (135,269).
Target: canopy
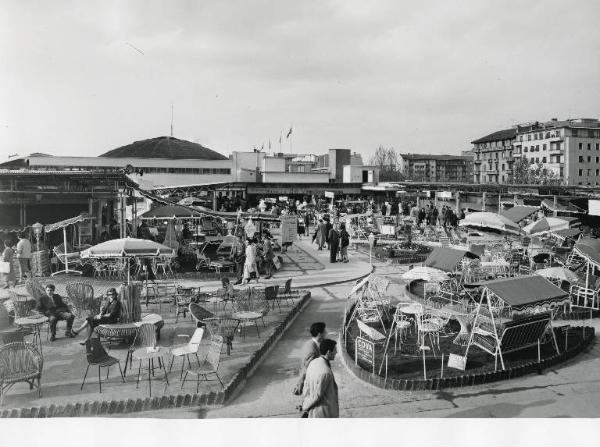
(561,273)
(127,247)
(446,259)
(527,292)
(571,233)
(376,282)
(562,207)
(65,223)
(428,274)
(589,249)
(519,212)
(545,225)
(490,220)
(170,212)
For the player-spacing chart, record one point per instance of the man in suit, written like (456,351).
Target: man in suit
(310,351)
(334,244)
(320,389)
(322,230)
(55,309)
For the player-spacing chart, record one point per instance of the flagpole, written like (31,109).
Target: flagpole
(280,136)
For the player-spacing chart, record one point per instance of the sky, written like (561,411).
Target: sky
(82,78)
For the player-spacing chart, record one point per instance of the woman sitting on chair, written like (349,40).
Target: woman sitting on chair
(110,313)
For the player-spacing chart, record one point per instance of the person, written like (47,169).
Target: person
(320,388)
(23,253)
(268,256)
(250,263)
(239,257)
(310,351)
(344,243)
(52,306)
(328,228)
(322,237)
(7,256)
(109,314)
(334,244)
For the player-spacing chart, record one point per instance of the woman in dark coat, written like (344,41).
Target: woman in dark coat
(334,244)
(109,314)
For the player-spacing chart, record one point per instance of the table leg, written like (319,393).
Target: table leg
(150,376)
(165,370)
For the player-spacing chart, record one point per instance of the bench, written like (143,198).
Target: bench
(517,334)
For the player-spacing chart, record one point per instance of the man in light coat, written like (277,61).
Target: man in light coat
(310,351)
(23,253)
(320,389)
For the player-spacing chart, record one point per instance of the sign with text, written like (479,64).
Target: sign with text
(283,198)
(457,362)
(329,194)
(289,228)
(365,351)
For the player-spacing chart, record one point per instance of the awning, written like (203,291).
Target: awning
(562,207)
(518,213)
(65,223)
(570,233)
(527,292)
(171,212)
(589,249)
(447,259)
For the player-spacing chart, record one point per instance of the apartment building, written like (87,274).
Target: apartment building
(493,157)
(570,148)
(437,168)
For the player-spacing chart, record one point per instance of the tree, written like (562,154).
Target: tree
(526,172)
(387,160)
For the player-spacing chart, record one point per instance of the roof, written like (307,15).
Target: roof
(518,213)
(435,157)
(165,147)
(589,249)
(571,233)
(501,135)
(562,207)
(526,291)
(446,259)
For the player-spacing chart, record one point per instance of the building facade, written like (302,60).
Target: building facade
(493,157)
(437,168)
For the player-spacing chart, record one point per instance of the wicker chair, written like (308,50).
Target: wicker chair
(20,362)
(210,365)
(145,337)
(223,327)
(271,295)
(249,308)
(83,303)
(199,314)
(97,356)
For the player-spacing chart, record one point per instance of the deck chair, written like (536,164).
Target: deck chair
(67,255)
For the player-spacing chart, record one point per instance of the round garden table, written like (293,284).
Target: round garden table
(33,323)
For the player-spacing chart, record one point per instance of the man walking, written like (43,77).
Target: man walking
(310,351)
(23,253)
(320,389)
(52,306)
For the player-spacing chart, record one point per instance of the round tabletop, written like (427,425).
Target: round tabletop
(412,309)
(31,321)
(149,353)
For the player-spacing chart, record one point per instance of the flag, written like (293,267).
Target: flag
(269,145)
(279,138)
(289,132)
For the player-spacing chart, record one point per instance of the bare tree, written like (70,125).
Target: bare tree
(387,160)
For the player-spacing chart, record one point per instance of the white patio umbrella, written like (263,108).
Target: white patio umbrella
(490,220)
(561,273)
(127,248)
(545,225)
(428,274)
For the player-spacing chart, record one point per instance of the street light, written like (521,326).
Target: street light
(37,231)
(371,243)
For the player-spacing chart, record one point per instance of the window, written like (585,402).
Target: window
(597,159)
(525,149)
(589,159)
(528,137)
(543,159)
(535,136)
(574,134)
(580,146)
(537,147)
(580,173)
(589,146)
(537,159)
(597,172)
(598,146)
(544,147)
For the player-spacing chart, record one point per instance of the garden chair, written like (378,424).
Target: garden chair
(20,362)
(401,324)
(184,351)
(199,314)
(83,302)
(271,295)
(210,366)
(145,337)
(97,356)
(248,308)
(224,327)
(287,292)
(428,326)
(182,302)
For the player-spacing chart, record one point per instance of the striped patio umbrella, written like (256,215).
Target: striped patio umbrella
(545,225)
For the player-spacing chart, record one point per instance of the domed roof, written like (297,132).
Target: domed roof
(165,147)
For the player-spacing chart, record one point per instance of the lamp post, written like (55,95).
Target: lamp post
(37,231)
(371,243)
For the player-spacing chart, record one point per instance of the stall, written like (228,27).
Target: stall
(66,254)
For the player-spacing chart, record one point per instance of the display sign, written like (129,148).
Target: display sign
(365,351)
(283,198)
(594,207)
(457,362)
(329,194)
(444,194)
(289,228)
(388,230)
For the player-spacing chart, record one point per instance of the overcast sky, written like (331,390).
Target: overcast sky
(85,77)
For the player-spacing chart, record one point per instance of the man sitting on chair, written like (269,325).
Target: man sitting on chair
(55,309)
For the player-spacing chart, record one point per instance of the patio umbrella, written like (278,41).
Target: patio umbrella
(558,273)
(490,220)
(127,248)
(428,274)
(170,212)
(545,225)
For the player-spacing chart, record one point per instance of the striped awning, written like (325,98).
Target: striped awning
(65,223)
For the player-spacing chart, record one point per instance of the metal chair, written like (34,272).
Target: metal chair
(145,337)
(249,309)
(224,327)
(20,362)
(199,314)
(184,351)
(210,365)
(287,292)
(97,356)
(182,302)
(271,295)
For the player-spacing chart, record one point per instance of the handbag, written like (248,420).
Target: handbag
(4,267)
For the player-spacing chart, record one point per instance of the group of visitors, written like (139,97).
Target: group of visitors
(253,256)
(22,252)
(335,237)
(316,382)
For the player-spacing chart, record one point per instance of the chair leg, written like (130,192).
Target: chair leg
(121,371)
(171,365)
(107,371)
(184,378)
(198,358)
(85,375)
(138,377)
(99,380)
(40,386)
(257,333)
(182,366)
(222,386)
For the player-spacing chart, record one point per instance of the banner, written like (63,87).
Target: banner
(329,194)
(289,228)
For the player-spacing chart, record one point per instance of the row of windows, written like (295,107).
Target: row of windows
(589,146)
(589,159)
(589,172)
(541,135)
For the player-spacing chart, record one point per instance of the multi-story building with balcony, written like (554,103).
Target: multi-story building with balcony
(493,157)
(570,148)
(437,168)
